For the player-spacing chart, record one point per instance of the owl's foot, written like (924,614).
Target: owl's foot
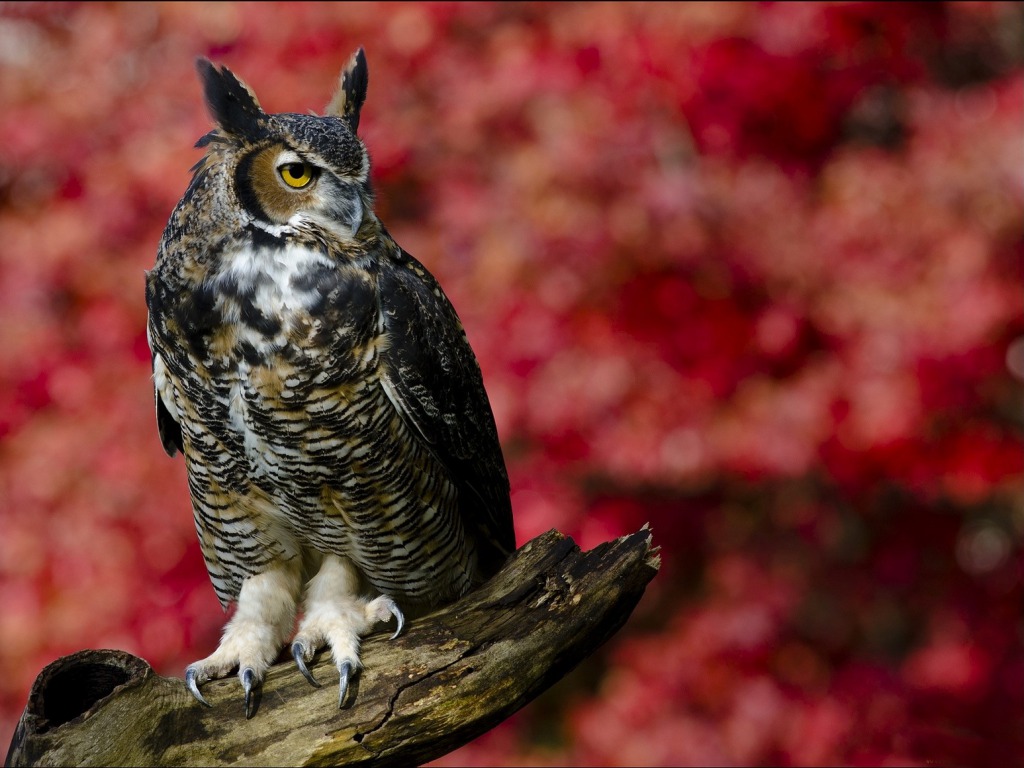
(253,637)
(340,626)
(337,616)
(200,671)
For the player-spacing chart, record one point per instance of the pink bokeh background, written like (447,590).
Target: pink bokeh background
(750,272)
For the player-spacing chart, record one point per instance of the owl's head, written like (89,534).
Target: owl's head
(289,169)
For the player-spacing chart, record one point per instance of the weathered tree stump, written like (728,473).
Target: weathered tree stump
(449,677)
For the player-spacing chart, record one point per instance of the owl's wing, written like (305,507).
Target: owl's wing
(433,378)
(168,427)
(166,423)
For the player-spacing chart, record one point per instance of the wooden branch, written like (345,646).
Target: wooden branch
(448,678)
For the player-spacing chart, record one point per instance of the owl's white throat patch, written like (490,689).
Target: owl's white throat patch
(269,278)
(269,281)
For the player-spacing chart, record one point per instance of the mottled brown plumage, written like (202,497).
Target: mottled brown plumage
(340,447)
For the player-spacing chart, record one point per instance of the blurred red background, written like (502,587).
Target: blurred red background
(749,272)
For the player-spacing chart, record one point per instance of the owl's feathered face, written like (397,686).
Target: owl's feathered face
(288,169)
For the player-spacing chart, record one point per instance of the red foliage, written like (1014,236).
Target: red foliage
(749,272)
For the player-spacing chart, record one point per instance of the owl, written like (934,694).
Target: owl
(342,457)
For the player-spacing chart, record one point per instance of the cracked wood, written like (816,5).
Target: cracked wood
(448,678)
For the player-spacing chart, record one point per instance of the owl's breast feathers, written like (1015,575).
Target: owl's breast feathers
(343,389)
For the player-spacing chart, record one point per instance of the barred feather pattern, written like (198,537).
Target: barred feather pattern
(291,445)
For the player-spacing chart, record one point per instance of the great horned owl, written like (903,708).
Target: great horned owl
(339,444)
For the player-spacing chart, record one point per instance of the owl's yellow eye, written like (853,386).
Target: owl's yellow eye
(297,175)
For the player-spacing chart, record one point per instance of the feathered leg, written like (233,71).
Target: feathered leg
(336,615)
(263,621)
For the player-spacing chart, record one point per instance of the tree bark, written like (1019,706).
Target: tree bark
(450,676)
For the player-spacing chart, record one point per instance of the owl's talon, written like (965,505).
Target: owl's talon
(248,676)
(345,671)
(400,618)
(384,609)
(299,654)
(193,687)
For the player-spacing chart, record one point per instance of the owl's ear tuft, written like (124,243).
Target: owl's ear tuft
(351,93)
(231,102)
